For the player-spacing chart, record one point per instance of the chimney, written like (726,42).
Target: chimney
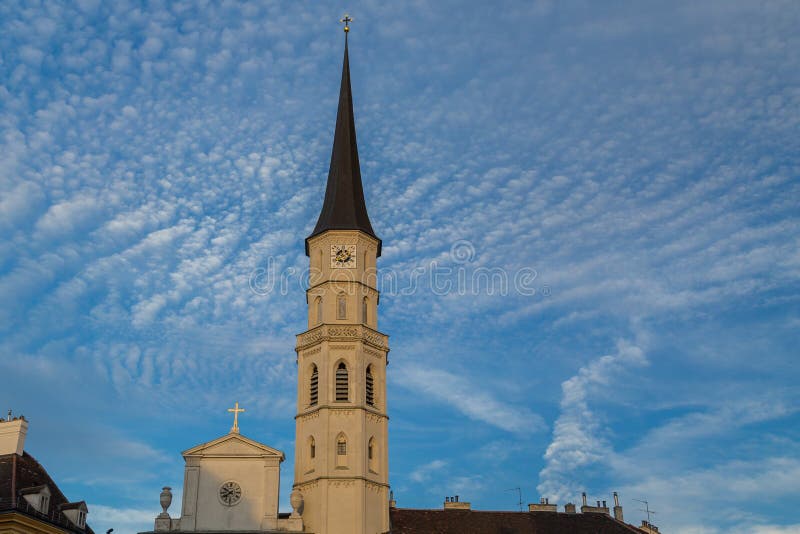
(584,498)
(601,507)
(617,508)
(452,503)
(543,506)
(648,527)
(569,508)
(12,434)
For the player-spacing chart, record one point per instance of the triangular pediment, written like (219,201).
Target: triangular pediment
(233,445)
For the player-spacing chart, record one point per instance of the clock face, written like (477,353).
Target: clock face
(343,256)
(230,493)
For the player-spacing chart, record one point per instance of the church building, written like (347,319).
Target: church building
(341,457)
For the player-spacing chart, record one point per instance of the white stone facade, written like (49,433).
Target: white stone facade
(230,484)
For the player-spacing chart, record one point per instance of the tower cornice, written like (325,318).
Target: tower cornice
(342,332)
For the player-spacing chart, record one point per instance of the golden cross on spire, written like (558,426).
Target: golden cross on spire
(347,20)
(236,410)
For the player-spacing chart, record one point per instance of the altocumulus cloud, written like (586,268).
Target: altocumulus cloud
(641,158)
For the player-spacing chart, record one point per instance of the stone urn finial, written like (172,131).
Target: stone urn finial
(166,500)
(296,500)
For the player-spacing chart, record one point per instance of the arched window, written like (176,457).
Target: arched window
(372,455)
(370,387)
(312,448)
(342,387)
(341,452)
(318,302)
(313,389)
(364,311)
(341,307)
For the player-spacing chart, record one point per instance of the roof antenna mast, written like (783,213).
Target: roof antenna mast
(646,509)
(519,494)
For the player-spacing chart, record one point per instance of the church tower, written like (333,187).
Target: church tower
(341,450)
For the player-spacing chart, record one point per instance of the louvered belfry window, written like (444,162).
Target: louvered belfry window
(370,387)
(342,393)
(314,387)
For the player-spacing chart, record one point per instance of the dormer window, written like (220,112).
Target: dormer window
(44,503)
(76,513)
(37,498)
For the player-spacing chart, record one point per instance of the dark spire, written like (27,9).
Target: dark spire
(344,207)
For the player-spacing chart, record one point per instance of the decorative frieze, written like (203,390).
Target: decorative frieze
(309,416)
(373,352)
(375,418)
(342,333)
(375,338)
(372,486)
(305,486)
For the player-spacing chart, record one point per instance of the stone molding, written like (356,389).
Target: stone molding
(376,418)
(373,416)
(312,484)
(374,486)
(353,332)
(375,353)
(308,416)
(318,289)
(329,237)
(311,352)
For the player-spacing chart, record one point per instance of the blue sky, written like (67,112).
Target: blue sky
(634,164)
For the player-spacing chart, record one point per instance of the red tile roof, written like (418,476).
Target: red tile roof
(412,521)
(20,472)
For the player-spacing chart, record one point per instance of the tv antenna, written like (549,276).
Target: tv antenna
(519,494)
(646,509)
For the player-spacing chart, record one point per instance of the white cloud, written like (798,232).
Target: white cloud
(151,47)
(122,520)
(468,397)
(578,440)
(69,216)
(165,153)
(690,500)
(426,471)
